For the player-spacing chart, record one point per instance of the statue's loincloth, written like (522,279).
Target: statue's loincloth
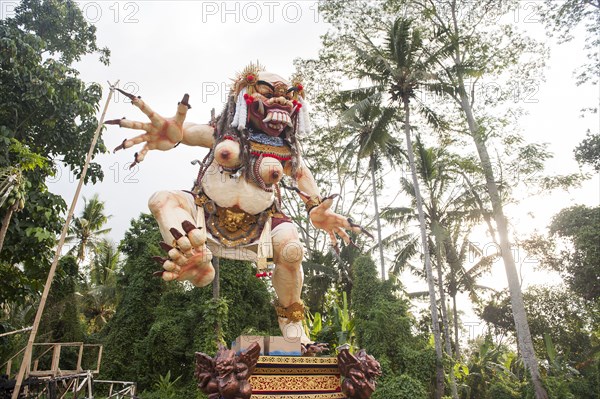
(232,226)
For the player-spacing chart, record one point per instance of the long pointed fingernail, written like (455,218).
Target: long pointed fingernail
(128,95)
(159,259)
(176,233)
(113,122)
(367,233)
(120,146)
(165,247)
(362,229)
(135,160)
(187,226)
(185,101)
(336,249)
(158,273)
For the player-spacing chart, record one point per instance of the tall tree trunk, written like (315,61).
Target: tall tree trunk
(5,223)
(455,265)
(524,340)
(432,302)
(307,240)
(377,218)
(455,316)
(447,335)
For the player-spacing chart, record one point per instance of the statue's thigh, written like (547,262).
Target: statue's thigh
(287,248)
(167,201)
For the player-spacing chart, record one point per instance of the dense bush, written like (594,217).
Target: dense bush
(384,326)
(159,326)
(401,387)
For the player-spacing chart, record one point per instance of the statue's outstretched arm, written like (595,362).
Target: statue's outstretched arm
(162,133)
(196,134)
(319,210)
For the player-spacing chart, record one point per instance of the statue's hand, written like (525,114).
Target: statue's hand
(322,217)
(160,134)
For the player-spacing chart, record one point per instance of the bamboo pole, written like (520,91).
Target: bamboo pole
(25,364)
(16,331)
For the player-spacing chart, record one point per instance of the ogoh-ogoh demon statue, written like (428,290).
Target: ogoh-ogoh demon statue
(233,210)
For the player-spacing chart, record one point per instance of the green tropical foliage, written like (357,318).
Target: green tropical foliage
(385,327)
(102,293)
(562,18)
(579,226)
(47,119)
(87,228)
(588,151)
(370,125)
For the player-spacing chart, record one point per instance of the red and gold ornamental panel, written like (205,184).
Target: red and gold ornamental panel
(294,377)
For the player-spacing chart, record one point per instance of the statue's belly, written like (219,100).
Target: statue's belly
(228,192)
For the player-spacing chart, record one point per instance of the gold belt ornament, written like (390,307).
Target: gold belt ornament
(232,226)
(233,220)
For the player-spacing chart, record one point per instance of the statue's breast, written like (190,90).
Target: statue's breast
(227,191)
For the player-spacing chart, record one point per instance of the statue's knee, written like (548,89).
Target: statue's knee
(158,200)
(290,254)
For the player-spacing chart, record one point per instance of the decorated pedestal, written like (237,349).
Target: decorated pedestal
(242,373)
(296,377)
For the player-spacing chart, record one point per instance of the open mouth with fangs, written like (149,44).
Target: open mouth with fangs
(270,118)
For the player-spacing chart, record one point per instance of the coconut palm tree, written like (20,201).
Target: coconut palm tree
(12,193)
(446,204)
(370,125)
(104,263)
(469,58)
(88,227)
(101,297)
(401,69)
(451,212)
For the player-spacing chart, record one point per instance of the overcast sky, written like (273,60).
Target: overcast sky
(163,49)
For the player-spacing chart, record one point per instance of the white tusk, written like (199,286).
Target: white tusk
(268,118)
(261,107)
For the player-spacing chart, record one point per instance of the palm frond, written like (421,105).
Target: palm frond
(417,294)
(397,215)
(410,249)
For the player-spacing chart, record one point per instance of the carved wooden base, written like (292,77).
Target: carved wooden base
(294,377)
(276,376)
(338,395)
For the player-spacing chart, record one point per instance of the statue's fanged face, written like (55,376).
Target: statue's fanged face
(273,107)
(225,363)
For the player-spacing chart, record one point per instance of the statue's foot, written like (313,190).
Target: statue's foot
(189,257)
(293,331)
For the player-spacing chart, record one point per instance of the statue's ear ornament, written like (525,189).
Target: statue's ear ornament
(297,87)
(247,78)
